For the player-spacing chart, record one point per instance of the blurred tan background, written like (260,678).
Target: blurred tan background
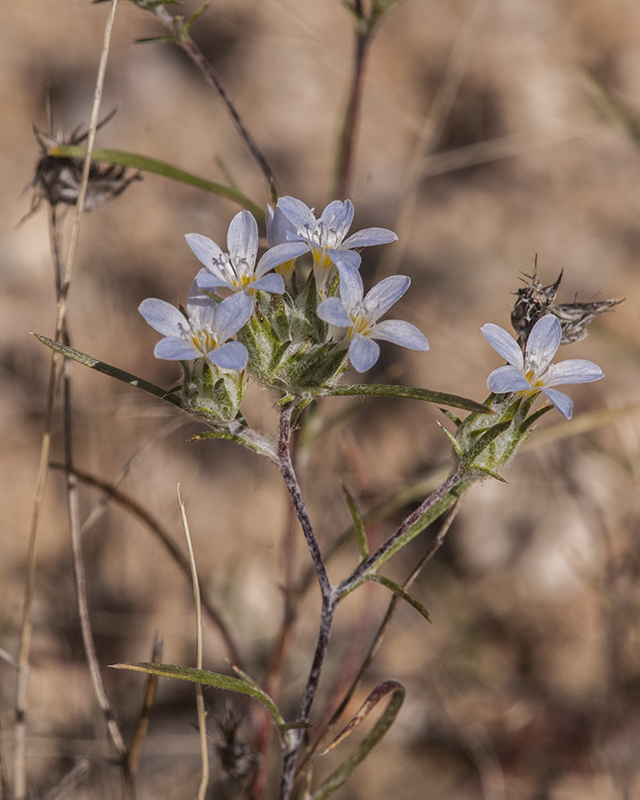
(491,131)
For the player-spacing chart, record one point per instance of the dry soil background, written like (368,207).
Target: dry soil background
(491,131)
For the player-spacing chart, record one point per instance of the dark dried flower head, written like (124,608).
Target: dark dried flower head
(237,759)
(58,180)
(536,301)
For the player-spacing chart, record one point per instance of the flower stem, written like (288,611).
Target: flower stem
(449,490)
(330,599)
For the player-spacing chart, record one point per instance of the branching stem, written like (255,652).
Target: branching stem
(213,79)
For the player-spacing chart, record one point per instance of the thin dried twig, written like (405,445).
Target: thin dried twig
(202,714)
(69,782)
(62,286)
(165,539)
(145,712)
(347,140)
(211,76)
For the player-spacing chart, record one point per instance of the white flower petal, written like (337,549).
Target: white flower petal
(575,370)
(172,349)
(270,283)
(232,355)
(232,314)
(242,238)
(200,307)
(279,254)
(349,257)
(204,249)
(561,401)
(338,217)
(384,294)
(207,280)
(333,312)
(507,379)
(277,226)
(363,353)
(351,287)
(504,344)
(402,333)
(298,214)
(370,236)
(163,317)
(542,344)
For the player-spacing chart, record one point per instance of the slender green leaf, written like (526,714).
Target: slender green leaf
(337,778)
(159,168)
(243,685)
(194,16)
(107,369)
(410,392)
(403,593)
(358,524)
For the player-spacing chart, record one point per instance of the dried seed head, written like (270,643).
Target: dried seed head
(534,301)
(58,180)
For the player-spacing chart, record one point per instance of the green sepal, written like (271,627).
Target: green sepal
(487,438)
(211,392)
(316,327)
(452,417)
(532,418)
(453,440)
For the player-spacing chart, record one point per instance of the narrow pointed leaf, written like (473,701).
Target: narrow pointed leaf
(410,392)
(456,420)
(107,369)
(358,524)
(402,593)
(159,168)
(337,778)
(203,676)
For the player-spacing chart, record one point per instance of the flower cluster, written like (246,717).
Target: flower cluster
(279,323)
(267,323)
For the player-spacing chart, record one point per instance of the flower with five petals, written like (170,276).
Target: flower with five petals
(237,269)
(533,371)
(360,314)
(205,333)
(325,237)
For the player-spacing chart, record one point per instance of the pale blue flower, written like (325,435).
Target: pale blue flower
(533,371)
(360,316)
(237,269)
(278,228)
(325,237)
(206,331)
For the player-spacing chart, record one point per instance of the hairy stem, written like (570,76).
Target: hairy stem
(213,79)
(394,542)
(291,482)
(330,599)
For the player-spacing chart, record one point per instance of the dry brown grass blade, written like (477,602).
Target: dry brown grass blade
(20,777)
(202,714)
